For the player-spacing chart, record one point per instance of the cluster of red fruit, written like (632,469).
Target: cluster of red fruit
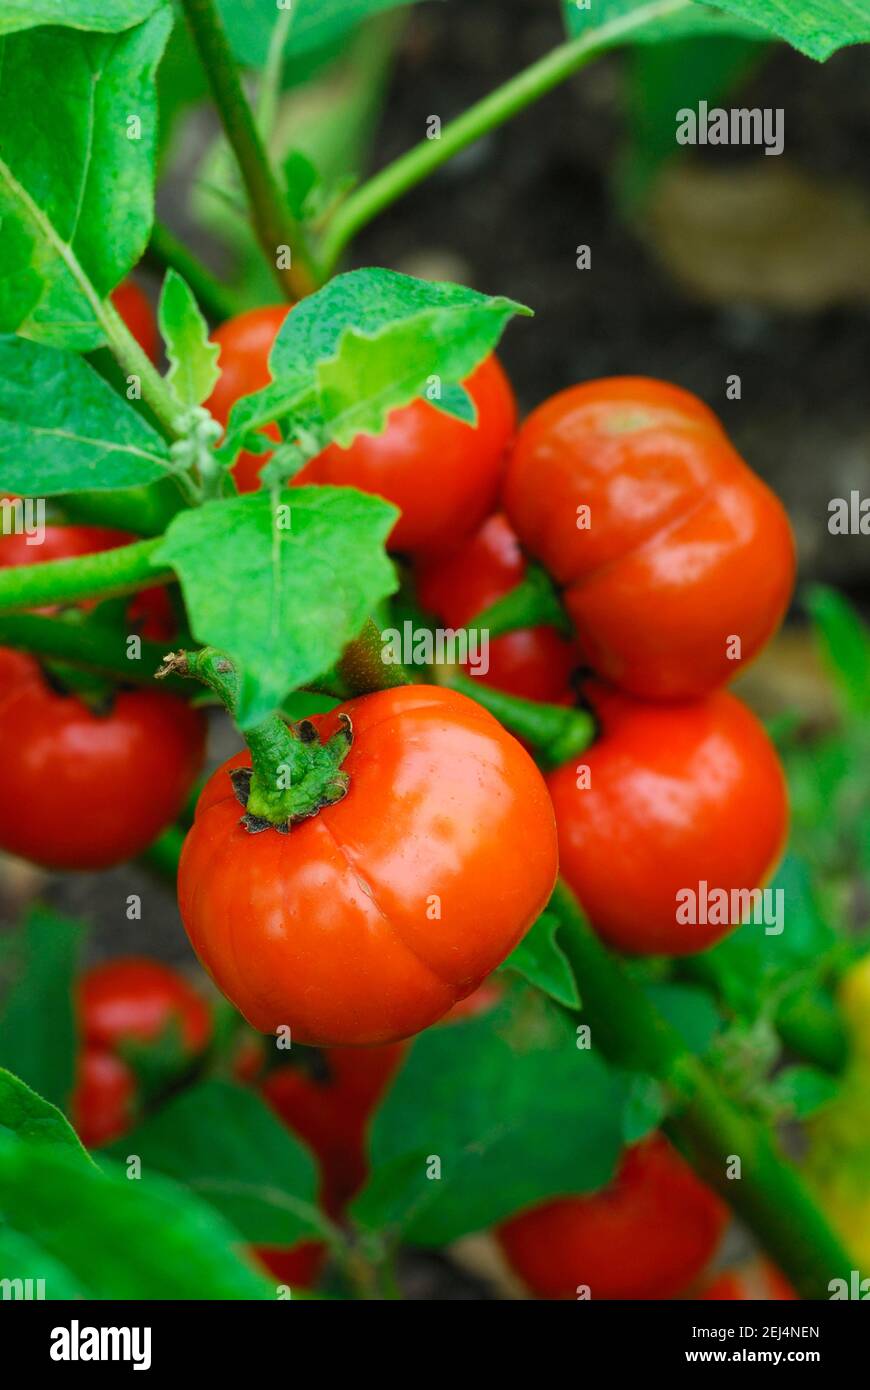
(676,564)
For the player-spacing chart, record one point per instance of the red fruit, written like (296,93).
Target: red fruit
(647,1235)
(299,1267)
(245,343)
(756,1280)
(675,795)
(134,999)
(684,549)
(81,790)
(535,663)
(442,474)
(103,1102)
(374,916)
(136,311)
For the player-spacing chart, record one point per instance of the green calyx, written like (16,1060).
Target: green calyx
(277,796)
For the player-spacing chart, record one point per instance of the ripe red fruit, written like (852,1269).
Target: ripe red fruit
(674,795)
(442,474)
(755,1280)
(245,343)
(86,790)
(648,1235)
(129,1000)
(456,586)
(373,917)
(136,311)
(683,550)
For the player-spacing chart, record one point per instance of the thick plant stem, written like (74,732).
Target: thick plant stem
(104,575)
(273,223)
(534,602)
(166,250)
(507,101)
(87,646)
(768,1195)
(556,732)
(363,668)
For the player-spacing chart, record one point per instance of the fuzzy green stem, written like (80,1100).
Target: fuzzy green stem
(125,570)
(87,646)
(769,1196)
(362,666)
(166,250)
(558,733)
(273,223)
(507,101)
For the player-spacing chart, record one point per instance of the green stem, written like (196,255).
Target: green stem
(534,602)
(270,78)
(273,223)
(85,645)
(219,302)
(811,1027)
(363,668)
(558,733)
(125,570)
(769,1196)
(163,856)
(507,101)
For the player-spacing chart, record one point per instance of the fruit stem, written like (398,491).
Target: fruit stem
(534,602)
(768,1195)
(273,223)
(527,86)
(557,733)
(362,666)
(124,570)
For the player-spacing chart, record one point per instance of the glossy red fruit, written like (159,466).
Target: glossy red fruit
(646,1236)
(330,1106)
(135,999)
(442,474)
(757,1280)
(85,790)
(245,343)
(135,309)
(373,917)
(104,1100)
(149,612)
(684,551)
(673,796)
(535,663)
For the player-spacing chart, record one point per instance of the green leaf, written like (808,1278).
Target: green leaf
(367,343)
(23,1259)
(801,1091)
(513,1111)
(193,359)
(645,1107)
(63,428)
(228,1147)
(665,77)
(845,643)
(688,1009)
(316,23)
(121,1238)
(29,1117)
(309,570)
(107,16)
(456,401)
(77,208)
(815,27)
(649,21)
(540,960)
(300,181)
(37,1024)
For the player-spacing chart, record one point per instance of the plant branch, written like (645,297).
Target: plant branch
(273,223)
(217,301)
(88,645)
(508,100)
(556,732)
(124,570)
(769,1195)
